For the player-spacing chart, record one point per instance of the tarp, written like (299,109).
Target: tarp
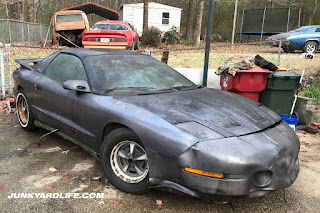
(97,9)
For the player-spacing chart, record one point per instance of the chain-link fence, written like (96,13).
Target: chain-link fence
(286,54)
(14,31)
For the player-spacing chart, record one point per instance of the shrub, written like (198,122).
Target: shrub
(151,37)
(216,37)
(172,36)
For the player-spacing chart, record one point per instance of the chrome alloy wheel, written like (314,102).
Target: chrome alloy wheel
(129,161)
(311,47)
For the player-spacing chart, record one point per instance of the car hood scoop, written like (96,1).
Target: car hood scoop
(224,112)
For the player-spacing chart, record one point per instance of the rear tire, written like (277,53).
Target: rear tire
(132,45)
(124,161)
(136,47)
(310,47)
(24,113)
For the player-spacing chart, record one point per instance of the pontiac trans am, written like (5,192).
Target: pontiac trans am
(149,126)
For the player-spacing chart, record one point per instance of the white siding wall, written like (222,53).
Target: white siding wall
(133,13)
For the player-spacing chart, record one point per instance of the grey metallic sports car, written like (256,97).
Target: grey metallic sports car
(152,127)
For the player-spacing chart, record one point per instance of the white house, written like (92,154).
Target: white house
(159,15)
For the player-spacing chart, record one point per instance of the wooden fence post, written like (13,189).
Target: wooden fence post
(165,56)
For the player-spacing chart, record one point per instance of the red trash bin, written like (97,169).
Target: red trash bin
(248,83)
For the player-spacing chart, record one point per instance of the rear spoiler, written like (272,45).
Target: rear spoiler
(25,62)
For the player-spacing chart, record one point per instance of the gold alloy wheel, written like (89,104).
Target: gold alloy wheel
(22,110)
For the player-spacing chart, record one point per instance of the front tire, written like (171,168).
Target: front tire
(24,113)
(310,47)
(288,49)
(124,161)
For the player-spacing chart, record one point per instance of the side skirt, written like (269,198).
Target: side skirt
(86,148)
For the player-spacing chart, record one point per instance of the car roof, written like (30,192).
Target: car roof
(111,21)
(82,52)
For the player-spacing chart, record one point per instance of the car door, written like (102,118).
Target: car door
(53,102)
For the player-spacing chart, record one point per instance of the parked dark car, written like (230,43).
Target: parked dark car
(305,38)
(152,127)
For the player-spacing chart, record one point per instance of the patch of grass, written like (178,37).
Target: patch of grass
(313,92)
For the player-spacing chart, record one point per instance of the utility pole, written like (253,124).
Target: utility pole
(234,23)
(208,40)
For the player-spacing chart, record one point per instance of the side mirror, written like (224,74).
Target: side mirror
(76,85)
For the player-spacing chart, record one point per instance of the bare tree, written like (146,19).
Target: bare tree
(313,12)
(189,28)
(197,32)
(145,14)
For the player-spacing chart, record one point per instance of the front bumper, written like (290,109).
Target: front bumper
(244,161)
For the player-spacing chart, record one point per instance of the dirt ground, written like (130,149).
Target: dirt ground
(24,167)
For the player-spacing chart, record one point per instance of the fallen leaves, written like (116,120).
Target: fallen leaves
(96,178)
(66,175)
(65,152)
(52,169)
(38,161)
(2,187)
(53,149)
(120,203)
(43,167)
(101,202)
(49,188)
(159,203)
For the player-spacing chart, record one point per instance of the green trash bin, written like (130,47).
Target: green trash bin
(279,93)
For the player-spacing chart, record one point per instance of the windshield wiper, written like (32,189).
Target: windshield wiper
(129,88)
(181,88)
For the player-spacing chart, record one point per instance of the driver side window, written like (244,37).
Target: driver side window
(66,67)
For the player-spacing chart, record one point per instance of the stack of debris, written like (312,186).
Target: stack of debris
(234,64)
(7,106)
(313,128)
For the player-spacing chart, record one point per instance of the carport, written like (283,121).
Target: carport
(97,9)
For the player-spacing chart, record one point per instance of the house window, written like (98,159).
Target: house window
(165,18)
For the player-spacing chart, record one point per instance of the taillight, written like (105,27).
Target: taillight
(90,39)
(119,40)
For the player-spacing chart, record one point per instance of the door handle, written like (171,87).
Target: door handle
(37,87)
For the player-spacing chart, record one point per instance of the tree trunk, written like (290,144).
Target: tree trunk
(145,14)
(313,12)
(189,28)
(197,31)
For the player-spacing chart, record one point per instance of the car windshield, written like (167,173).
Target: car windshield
(134,72)
(301,29)
(69,18)
(109,27)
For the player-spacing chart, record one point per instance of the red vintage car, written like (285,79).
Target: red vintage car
(111,34)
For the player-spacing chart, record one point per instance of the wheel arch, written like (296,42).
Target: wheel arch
(112,126)
(19,87)
(317,41)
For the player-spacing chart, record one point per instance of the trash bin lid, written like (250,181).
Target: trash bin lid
(281,74)
(255,70)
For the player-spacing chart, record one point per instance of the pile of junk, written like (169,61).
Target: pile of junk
(264,82)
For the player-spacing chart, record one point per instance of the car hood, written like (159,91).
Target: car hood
(281,36)
(226,113)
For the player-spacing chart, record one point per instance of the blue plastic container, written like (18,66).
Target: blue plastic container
(293,121)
